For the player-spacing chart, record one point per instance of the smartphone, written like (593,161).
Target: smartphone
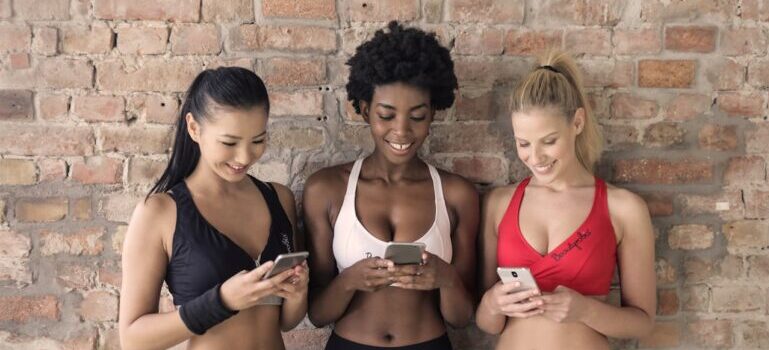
(517,274)
(286,261)
(402,253)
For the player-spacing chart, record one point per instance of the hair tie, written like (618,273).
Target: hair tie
(550,68)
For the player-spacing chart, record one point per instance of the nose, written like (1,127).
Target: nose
(243,156)
(402,125)
(538,154)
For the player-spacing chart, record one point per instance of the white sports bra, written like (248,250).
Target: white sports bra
(352,242)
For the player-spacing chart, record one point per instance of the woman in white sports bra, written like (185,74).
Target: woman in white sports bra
(398,79)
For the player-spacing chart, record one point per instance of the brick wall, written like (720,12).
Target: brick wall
(89,91)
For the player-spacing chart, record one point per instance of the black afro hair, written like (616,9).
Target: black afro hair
(407,55)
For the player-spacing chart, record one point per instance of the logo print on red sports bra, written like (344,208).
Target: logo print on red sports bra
(581,237)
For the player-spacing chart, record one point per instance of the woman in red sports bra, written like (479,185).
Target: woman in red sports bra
(567,226)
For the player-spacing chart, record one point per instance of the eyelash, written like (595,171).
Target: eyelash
(390,117)
(228,144)
(546,142)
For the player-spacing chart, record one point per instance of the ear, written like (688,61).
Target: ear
(578,122)
(364,110)
(193,128)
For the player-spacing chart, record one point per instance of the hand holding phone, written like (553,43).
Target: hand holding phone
(517,274)
(286,261)
(402,253)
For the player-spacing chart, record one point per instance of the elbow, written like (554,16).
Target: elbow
(127,342)
(316,319)
(647,328)
(460,321)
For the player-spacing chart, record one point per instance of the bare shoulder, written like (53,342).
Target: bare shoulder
(625,203)
(456,187)
(499,196)
(153,219)
(284,193)
(328,180)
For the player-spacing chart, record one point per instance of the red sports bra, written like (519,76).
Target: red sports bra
(584,262)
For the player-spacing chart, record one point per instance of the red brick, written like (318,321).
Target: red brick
(480,169)
(133,140)
(695,298)
(14,256)
(690,237)
(474,105)
(743,41)
(479,41)
(755,334)
(708,204)
(374,11)
(664,335)
(758,267)
(17,172)
(153,108)
(99,306)
(718,137)
(298,103)
(192,39)
(95,39)
(52,169)
(81,209)
(746,236)
(19,61)
(109,339)
(87,241)
(63,73)
(656,11)
(111,276)
(74,276)
(2,212)
(14,38)
(118,238)
(145,171)
(157,10)
(432,11)
(41,209)
(99,108)
(666,272)
(98,170)
(45,41)
(737,298)
(724,74)
(758,72)
(23,309)
(250,37)
(690,38)
(753,10)
(658,204)
(283,136)
(589,41)
(42,10)
(486,72)
(711,333)
(635,41)
(625,105)
(155,74)
(486,11)
(755,138)
(663,134)
(282,71)
(532,43)
(5,9)
(745,170)
(687,106)
(20,139)
(620,137)
(143,40)
(710,269)
(118,207)
(583,12)
(52,107)
(667,302)
(757,204)
(16,105)
(736,104)
(81,10)
(606,73)
(666,73)
(461,138)
(240,11)
(663,172)
(80,339)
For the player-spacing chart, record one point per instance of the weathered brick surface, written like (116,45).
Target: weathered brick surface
(90,92)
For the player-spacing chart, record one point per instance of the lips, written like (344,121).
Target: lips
(543,168)
(400,147)
(237,169)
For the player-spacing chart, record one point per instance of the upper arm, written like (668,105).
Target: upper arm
(145,258)
(463,200)
(286,198)
(316,202)
(491,209)
(635,251)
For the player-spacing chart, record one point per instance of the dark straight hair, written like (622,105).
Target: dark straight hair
(232,87)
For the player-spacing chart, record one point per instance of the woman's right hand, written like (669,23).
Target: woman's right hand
(369,275)
(500,301)
(246,288)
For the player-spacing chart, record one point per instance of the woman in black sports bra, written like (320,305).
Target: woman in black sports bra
(211,231)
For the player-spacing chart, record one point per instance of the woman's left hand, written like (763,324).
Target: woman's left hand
(295,287)
(431,274)
(563,305)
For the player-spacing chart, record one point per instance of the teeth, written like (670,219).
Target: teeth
(400,146)
(237,167)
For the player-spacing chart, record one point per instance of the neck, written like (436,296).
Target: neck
(203,179)
(570,177)
(378,166)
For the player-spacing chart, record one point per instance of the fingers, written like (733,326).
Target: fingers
(527,314)
(521,307)
(259,272)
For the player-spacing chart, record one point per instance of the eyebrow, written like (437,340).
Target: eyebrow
(548,135)
(238,137)
(412,108)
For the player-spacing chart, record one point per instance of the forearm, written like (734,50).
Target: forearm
(488,321)
(329,304)
(617,322)
(292,312)
(456,303)
(154,331)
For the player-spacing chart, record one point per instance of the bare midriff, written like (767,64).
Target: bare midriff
(254,328)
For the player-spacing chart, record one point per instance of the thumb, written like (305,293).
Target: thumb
(261,270)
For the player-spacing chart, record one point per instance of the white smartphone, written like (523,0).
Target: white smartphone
(402,253)
(517,274)
(286,261)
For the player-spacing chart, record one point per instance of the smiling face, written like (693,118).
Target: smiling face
(400,115)
(545,141)
(231,140)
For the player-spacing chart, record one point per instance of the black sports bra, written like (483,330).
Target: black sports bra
(202,257)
